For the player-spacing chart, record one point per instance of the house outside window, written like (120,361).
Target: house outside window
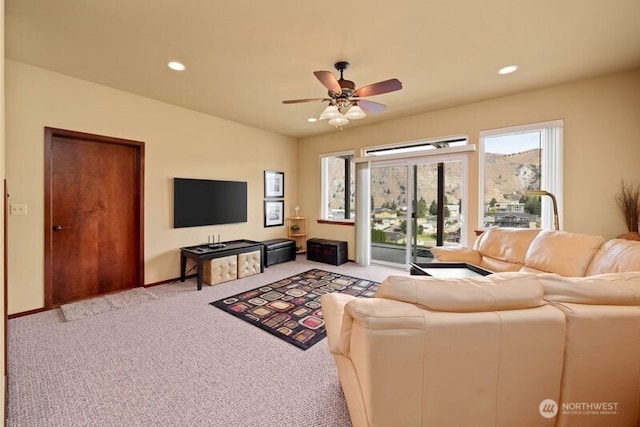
(513,162)
(338,187)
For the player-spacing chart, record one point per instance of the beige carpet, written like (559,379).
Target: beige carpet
(174,361)
(91,307)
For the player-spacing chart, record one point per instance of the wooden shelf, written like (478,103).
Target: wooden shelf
(300,234)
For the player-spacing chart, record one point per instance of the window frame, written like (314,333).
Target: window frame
(324,197)
(551,178)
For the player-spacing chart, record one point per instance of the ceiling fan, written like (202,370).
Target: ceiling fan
(344,99)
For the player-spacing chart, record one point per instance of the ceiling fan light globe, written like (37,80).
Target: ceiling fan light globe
(339,121)
(355,113)
(330,112)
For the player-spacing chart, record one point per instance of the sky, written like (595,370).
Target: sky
(512,143)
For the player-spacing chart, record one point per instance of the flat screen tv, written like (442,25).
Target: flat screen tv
(199,202)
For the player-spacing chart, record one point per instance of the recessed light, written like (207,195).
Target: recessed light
(312,120)
(508,69)
(177,66)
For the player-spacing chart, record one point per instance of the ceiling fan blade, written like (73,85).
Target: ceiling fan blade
(379,88)
(298,101)
(370,106)
(329,81)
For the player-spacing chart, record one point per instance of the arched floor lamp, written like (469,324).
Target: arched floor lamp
(553,199)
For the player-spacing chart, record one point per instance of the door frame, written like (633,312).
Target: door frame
(50,133)
(409,162)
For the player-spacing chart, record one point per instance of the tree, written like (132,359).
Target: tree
(378,236)
(403,226)
(421,211)
(433,209)
(533,205)
(493,202)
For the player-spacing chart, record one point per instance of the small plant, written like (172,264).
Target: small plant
(628,201)
(295,228)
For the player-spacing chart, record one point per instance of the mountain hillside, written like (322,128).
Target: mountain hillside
(507,174)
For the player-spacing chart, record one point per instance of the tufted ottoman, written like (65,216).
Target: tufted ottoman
(249,263)
(220,270)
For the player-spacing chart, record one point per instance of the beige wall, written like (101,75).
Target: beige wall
(2,174)
(601,136)
(178,143)
(601,147)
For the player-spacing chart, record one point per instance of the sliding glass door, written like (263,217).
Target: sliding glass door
(389,210)
(416,205)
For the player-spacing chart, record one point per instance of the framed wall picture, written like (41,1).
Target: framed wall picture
(273,184)
(273,213)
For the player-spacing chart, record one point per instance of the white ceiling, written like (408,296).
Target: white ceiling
(244,57)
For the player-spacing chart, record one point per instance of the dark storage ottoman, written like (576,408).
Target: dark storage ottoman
(279,250)
(327,251)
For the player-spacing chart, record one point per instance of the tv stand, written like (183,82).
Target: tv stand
(206,251)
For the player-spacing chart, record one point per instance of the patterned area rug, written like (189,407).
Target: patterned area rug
(290,308)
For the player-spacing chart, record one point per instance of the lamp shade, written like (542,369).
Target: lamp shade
(355,113)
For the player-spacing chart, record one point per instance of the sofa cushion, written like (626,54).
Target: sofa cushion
(507,244)
(504,249)
(603,289)
(616,256)
(497,265)
(561,252)
(501,291)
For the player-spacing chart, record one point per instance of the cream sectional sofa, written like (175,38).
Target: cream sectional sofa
(545,251)
(602,347)
(510,349)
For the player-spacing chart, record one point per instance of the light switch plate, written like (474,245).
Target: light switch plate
(18,209)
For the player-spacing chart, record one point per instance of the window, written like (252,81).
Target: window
(419,147)
(514,162)
(338,187)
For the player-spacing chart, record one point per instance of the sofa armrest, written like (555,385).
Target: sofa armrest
(340,311)
(454,254)
(384,314)
(333,306)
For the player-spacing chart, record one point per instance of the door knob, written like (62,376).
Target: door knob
(59,227)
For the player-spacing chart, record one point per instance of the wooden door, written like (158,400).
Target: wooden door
(93,215)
